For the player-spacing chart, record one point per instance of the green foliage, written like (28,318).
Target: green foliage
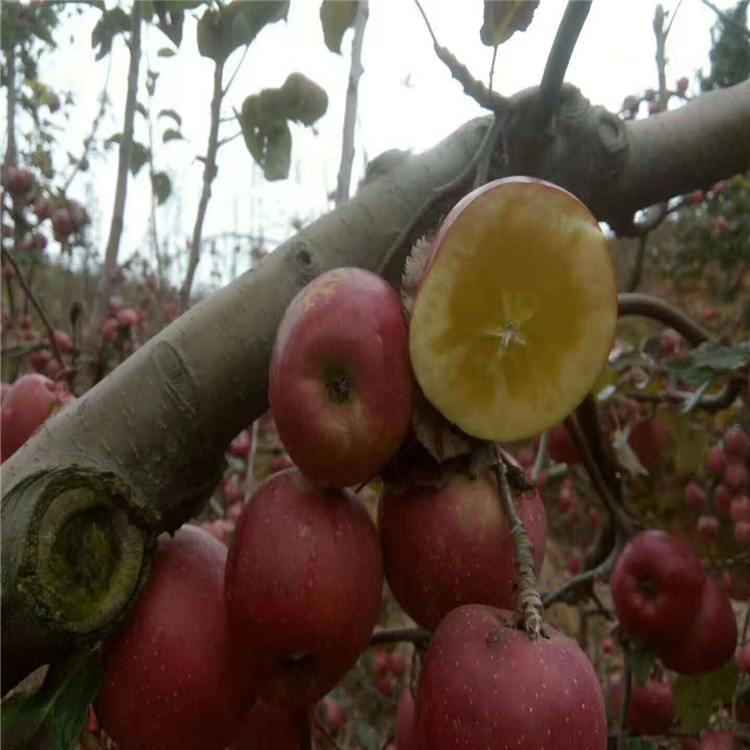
(640,743)
(695,696)
(642,658)
(171,15)
(139,153)
(337,16)
(220,32)
(113,22)
(21,23)
(502,20)
(170,134)
(708,362)
(54,716)
(171,113)
(730,50)
(264,121)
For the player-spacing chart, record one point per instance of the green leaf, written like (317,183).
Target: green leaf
(264,121)
(140,108)
(708,362)
(112,22)
(165,52)
(642,658)
(139,155)
(171,113)
(220,32)
(162,186)
(54,716)
(639,743)
(503,19)
(170,134)
(116,138)
(695,696)
(337,16)
(171,20)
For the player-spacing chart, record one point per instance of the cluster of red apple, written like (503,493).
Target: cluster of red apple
(664,598)
(631,104)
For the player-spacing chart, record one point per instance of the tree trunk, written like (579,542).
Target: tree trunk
(88,362)
(141,451)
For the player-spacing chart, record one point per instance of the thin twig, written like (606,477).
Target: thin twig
(579,587)
(622,741)
(492,66)
(103,100)
(657,309)
(541,458)
(455,184)
(483,96)
(715,402)
(398,635)
(343,181)
(234,74)
(530,608)
(327,736)
(37,305)
(661,58)
(671,20)
(567,35)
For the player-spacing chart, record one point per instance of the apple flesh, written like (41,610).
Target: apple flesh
(168,671)
(709,638)
(340,382)
(303,585)
(449,544)
(651,706)
(31,400)
(489,345)
(485,684)
(657,586)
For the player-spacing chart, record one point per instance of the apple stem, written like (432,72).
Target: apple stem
(541,458)
(529,602)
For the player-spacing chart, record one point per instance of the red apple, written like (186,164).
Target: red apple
(560,446)
(651,709)
(716,461)
(25,321)
(736,476)
(381,662)
(340,382)
(240,446)
(269,727)
(607,645)
(575,563)
(704,641)
(18,181)
(62,224)
(670,341)
(657,583)
(695,497)
(405,722)
(384,684)
(696,197)
(335,714)
(736,442)
(682,85)
(168,679)
(708,527)
(742,533)
(30,401)
(648,439)
(127,317)
(449,544)
(720,223)
(64,344)
(722,497)
(38,359)
(398,664)
(43,208)
(303,586)
(485,684)
(708,314)
(717,741)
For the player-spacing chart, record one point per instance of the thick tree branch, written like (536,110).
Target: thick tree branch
(209,172)
(350,113)
(88,362)
(148,441)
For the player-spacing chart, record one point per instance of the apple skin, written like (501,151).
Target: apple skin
(444,546)
(657,583)
(651,707)
(485,684)
(340,382)
(168,679)
(303,586)
(31,400)
(405,722)
(560,446)
(269,727)
(717,741)
(710,638)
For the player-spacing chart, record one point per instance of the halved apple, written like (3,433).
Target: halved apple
(516,312)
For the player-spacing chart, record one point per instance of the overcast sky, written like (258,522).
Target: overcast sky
(407,99)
